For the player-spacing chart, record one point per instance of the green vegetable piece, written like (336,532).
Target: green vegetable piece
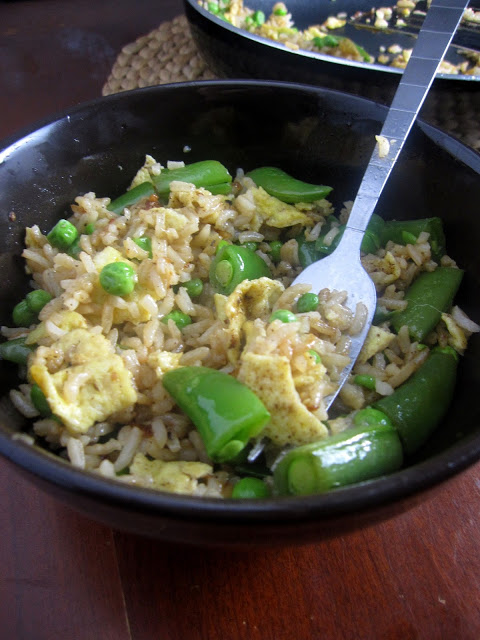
(307,302)
(213,7)
(133,196)
(63,234)
(233,265)
(74,249)
(369,449)
(307,253)
(194,287)
(206,173)
(381,315)
(365,55)
(280,11)
(89,229)
(430,295)
(366,381)
(37,299)
(315,355)
(221,244)
(253,246)
(418,405)
(324,249)
(408,238)
(370,242)
(250,488)
(16,351)
(145,243)
(40,401)
(403,232)
(286,188)
(118,278)
(284,315)
(180,319)
(23,315)
(223,188)
(226,413)
(326,41)
(258,18)
(275,250)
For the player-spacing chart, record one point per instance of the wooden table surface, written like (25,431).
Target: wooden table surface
(63,576)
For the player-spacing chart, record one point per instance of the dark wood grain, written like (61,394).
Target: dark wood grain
(415,577)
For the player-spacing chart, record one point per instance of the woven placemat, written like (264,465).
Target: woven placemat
(169,54)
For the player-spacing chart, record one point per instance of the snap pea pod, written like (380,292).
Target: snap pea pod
(417,406)
(141,191)
(369,449)
(286,188)
(226,413)
(430,295)
(234,264)
(16,351)
(407,232)
(206,173)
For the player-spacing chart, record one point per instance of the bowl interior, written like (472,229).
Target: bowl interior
(317,135)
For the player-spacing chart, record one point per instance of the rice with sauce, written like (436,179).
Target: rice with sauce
(140,422)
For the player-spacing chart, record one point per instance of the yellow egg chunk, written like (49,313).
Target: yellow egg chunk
(377,340)
(175,476)
(251,299)
(270,377)
(83,379)
(276,213)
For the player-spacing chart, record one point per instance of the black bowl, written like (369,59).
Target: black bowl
(235,53)
(317,134)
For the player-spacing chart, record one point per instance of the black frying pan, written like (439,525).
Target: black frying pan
(233,52)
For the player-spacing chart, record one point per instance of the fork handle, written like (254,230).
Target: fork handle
(432,43)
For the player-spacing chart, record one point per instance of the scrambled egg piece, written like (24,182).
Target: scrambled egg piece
(270,377)
(144,174)
(377,340)
(176,476)
(251,299)
(163,361)
(83,379)
(274,212)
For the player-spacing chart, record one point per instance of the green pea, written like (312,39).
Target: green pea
(37,299)
(179,318)
(144,243)
(280,11)
(369,382)
(275,249)
(63,234)
(250,488)
(284,315)
(315,355)
(258,17)
(118,278)
(307,302)
(249,21)
(253,246)
(23,315)
(89,229)
(40,401)
(194,287)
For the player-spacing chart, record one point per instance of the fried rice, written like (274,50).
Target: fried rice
(142,422)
